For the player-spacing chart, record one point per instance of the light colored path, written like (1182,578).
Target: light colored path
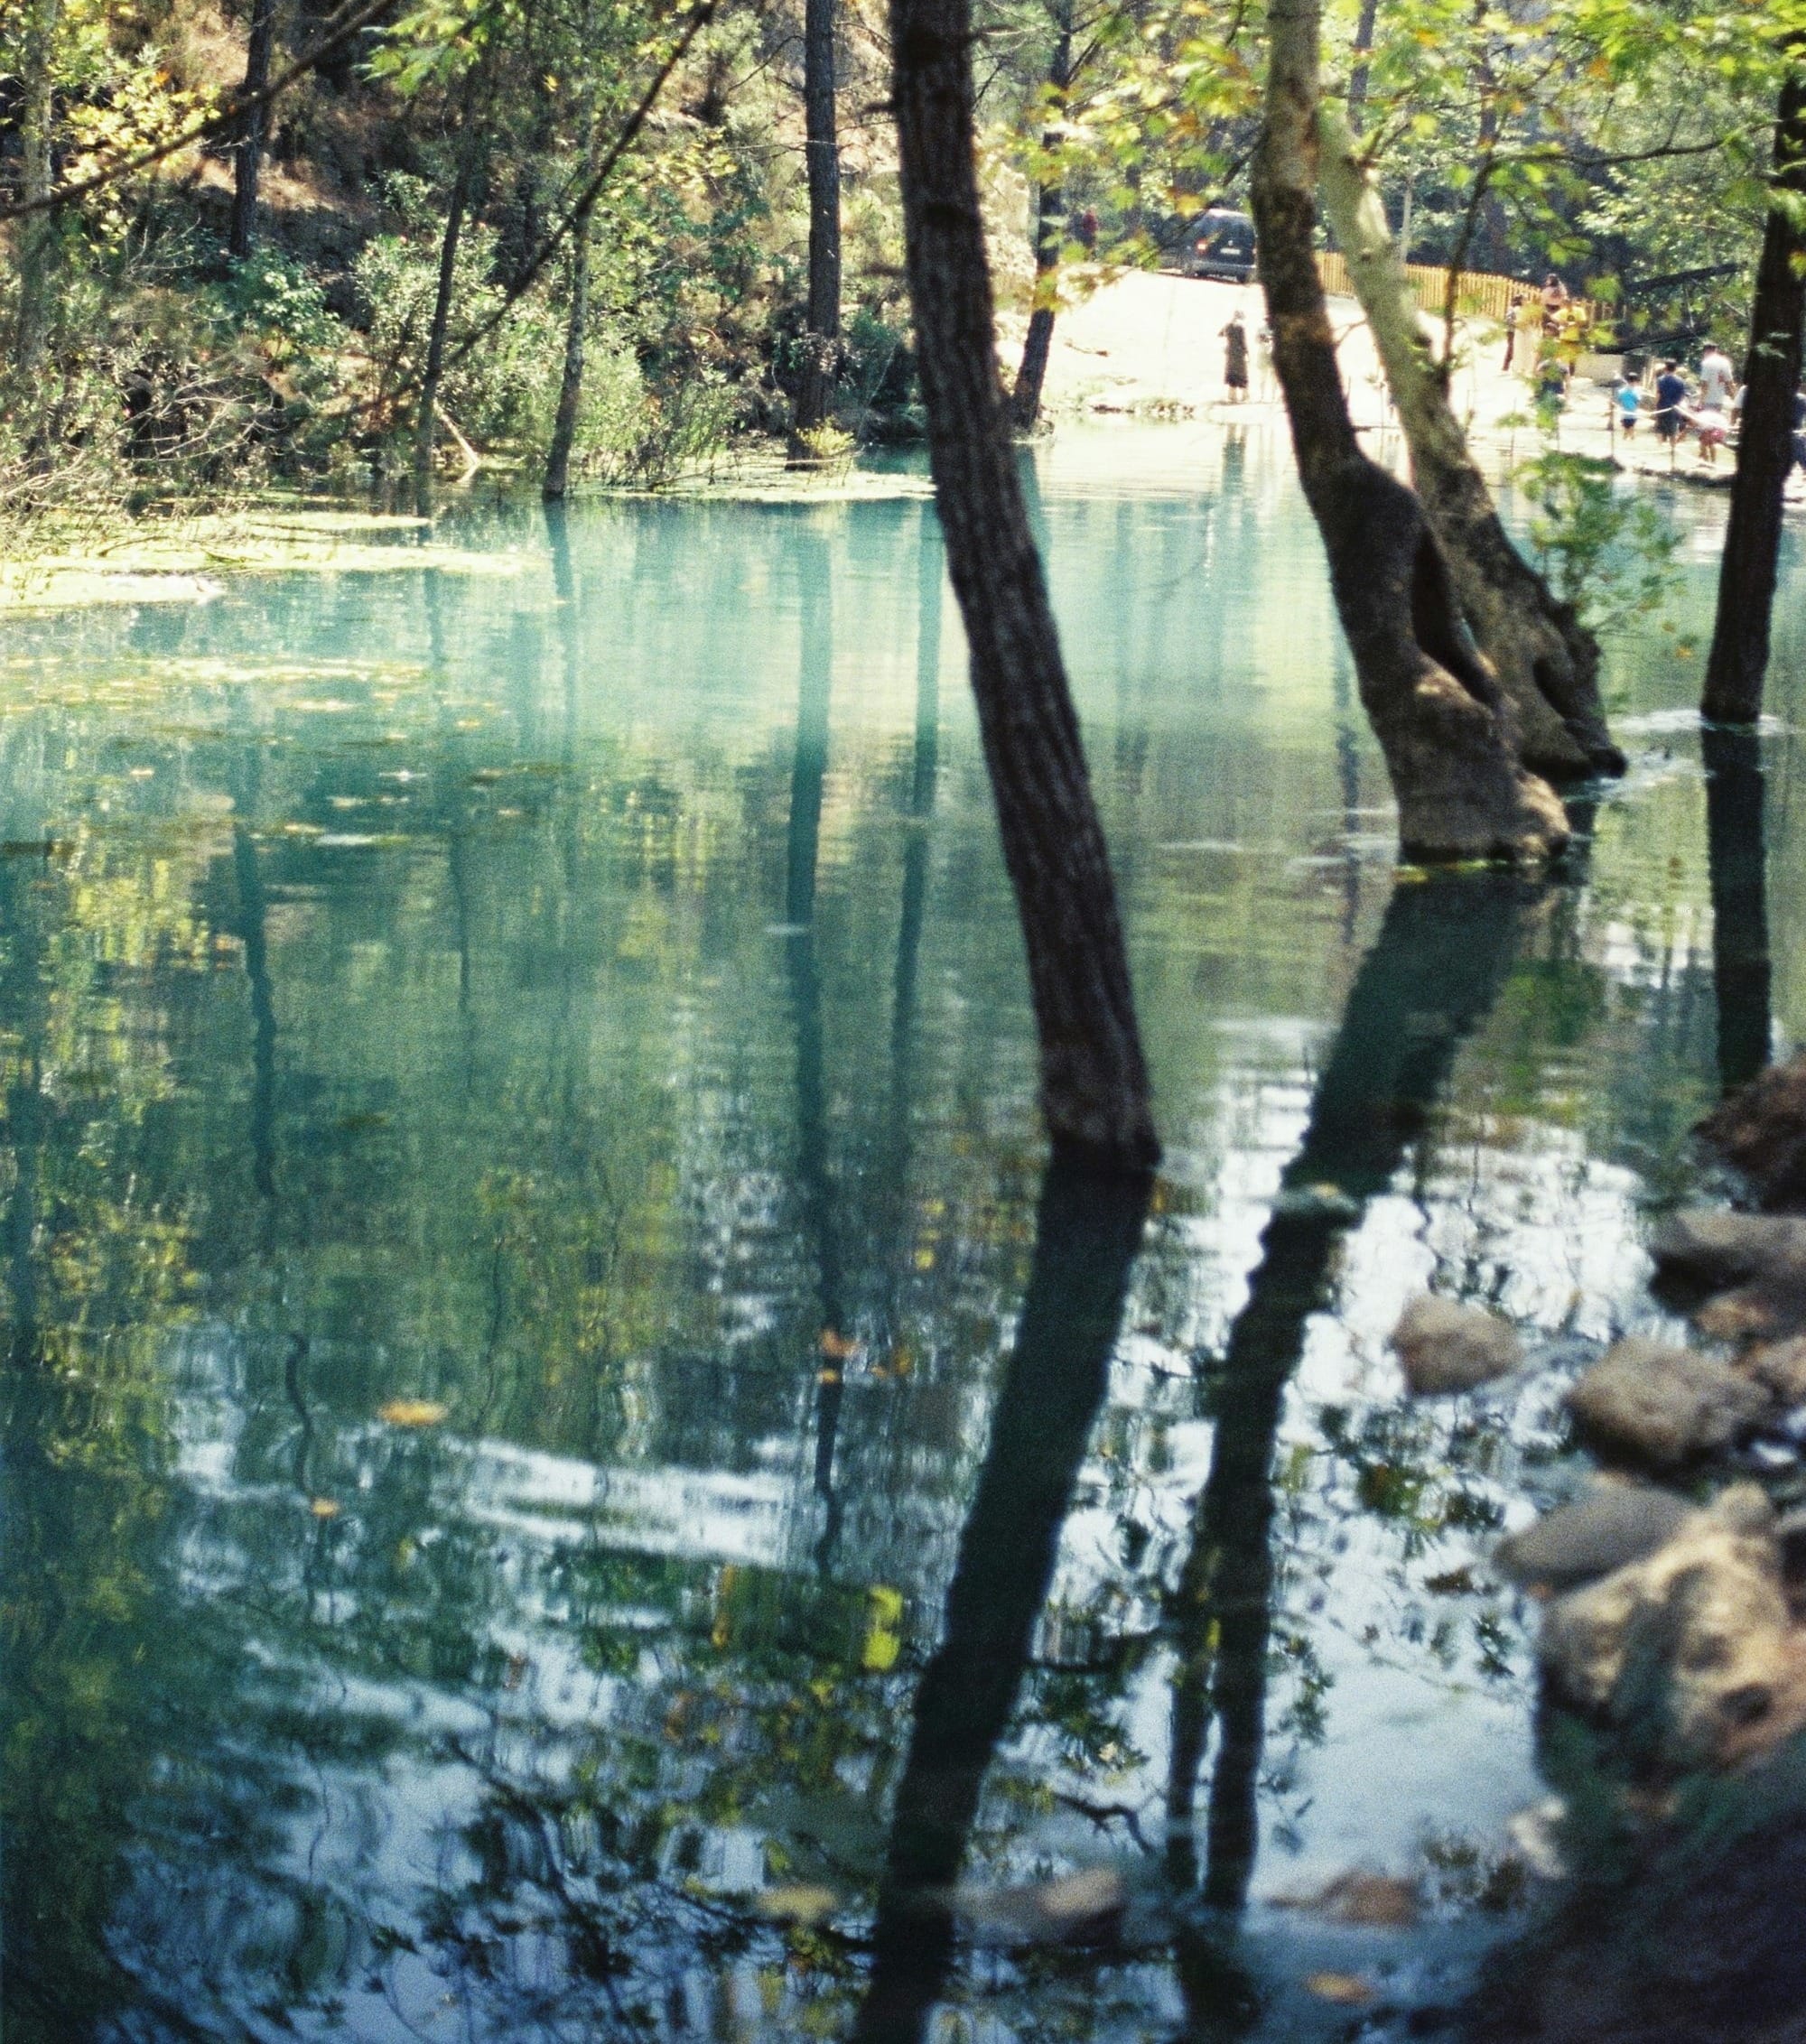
(1152,346)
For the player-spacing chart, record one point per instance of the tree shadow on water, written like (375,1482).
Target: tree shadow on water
(1437,965)
(1087,1233)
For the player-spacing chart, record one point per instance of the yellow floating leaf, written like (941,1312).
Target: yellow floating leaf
(800,1904)
(412,1412)
(837,1345)
(883,1636)
(1347,1990)
(324,1507)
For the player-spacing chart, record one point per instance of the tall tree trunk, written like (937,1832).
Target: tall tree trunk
(252,129)
(37,231)
(1739,657)
(1444,726)
(1546,660)
(1358,74)
(1050,205)
(1093,1082)
(823,338)
(427,419)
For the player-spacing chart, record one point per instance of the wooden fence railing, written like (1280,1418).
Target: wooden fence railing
(1479,294)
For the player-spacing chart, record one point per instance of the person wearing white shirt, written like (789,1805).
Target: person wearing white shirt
(1718,379)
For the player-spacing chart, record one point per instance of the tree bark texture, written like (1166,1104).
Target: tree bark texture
(1739,656)
(822,319)
(1547,662)
(1050,205)
(1095,1090)
(37,231)
(1443,723)
(251,131)
(570,384)
(1737,857)
(1358,74)
(426,420)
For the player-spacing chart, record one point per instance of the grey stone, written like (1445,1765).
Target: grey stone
(1445,1346)
(1716,1249)
(1663,1406)
(1613,1525)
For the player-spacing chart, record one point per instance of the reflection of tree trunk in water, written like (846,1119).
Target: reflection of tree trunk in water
(1087,1233)
(253,933)
(457,850)
(1740,955)
(929,567)
(1435,967)
(1348,773)
(1434,703)
(814,685)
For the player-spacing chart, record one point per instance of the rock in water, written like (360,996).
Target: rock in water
(1662,1407)
(1445,1346)
(1762,1130)
(1691,1649)
(1613,1525)
(1781,1367)
(1710,1250)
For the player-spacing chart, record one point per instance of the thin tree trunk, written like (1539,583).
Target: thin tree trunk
(571,384)
(1357,77)
(1739,657)
(251,132)
(1546,660)
(37,231)
(823,318)
(426,420)
(1050,205)
(1435,704)
(1094,1090)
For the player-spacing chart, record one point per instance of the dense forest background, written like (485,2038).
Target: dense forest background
(169,333)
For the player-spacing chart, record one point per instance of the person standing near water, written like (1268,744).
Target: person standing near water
(1670,394)
(1718,379)
(1236,360)
(1514,320)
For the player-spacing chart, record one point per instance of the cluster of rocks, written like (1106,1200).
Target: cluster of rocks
(1682,1626)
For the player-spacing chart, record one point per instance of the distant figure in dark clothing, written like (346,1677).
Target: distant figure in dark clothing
(1083,229)
(1236,360)
(1670,394)
(1514,313)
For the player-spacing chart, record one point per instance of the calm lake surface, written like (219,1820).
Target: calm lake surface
(521,1180)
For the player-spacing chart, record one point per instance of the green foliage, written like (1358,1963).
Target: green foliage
(1605,549)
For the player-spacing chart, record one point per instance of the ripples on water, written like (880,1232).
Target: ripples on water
(586,1000)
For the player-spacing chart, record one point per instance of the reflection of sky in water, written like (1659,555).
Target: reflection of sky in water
(415,1003)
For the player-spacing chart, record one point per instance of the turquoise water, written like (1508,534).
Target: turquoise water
(521,1180)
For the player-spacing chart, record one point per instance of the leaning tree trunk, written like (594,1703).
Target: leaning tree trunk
(427,419)
(1093,1082)
(1546,660)
(1739,657)
(1050,205)
(822,342)
(252,129)
(1444,728)
(37,231)
(1362,69)
(570,384)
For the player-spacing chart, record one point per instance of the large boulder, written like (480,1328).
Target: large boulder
(1713,1248)
(1608,1529)
(1659,1407)
(1691,1651)
(1445,1346)
(1761,1130)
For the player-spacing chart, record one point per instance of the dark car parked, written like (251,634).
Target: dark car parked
(1219,244)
